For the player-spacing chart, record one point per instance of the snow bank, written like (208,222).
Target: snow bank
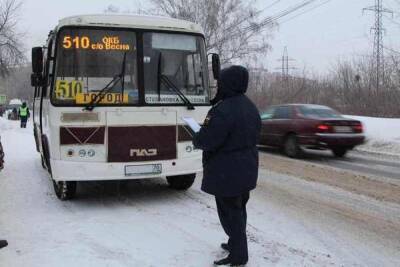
(4,125)
(383,135)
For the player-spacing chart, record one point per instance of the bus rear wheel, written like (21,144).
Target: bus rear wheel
(181,182)
(65,190)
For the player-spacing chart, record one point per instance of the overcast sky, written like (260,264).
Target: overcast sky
(316,39)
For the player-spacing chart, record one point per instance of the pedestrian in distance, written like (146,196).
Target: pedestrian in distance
(1,156)
(228,139)
(3,243)
(23,114)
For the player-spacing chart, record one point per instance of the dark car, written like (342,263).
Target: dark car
(297,126)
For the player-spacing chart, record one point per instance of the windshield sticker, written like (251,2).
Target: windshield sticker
(109,98)
(68,90)
(84,42)
(174,99)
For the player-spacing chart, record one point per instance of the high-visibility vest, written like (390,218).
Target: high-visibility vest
(23,111)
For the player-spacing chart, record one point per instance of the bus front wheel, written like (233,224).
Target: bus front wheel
(65,190)
(181,182)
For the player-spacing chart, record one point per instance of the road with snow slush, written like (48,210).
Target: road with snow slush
(372,164)
(296,217)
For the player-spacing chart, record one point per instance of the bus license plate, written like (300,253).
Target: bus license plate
(132,170)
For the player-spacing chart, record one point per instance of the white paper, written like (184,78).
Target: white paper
(191,123)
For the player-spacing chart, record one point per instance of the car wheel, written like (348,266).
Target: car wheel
(65,190)
(291,147)
(181,182)
(339,152)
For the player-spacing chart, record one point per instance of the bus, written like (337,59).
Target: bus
(110,92)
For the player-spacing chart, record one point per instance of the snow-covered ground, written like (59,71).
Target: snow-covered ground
(143,223)
(383,135)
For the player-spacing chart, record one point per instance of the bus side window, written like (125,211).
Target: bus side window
(49,68)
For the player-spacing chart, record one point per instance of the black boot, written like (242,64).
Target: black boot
(225,246)
(3,243)
(225,261)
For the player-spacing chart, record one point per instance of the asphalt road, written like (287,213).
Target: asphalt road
(371,164)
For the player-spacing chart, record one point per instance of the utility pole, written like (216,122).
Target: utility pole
(378,54)
(285,64)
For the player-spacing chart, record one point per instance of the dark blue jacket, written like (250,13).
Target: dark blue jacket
(229,137)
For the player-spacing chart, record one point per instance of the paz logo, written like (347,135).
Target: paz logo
(143,152)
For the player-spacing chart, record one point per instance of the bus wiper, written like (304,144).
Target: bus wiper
(178,92)
(101,94)
(164,79)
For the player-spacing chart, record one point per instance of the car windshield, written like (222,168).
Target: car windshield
(320,112)
(88,59)
(268,114)
(181,59)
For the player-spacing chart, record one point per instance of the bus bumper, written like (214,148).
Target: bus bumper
(63,170)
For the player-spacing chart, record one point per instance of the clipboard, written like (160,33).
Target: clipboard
(193,125)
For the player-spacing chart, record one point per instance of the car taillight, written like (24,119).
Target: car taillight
(323,128)
(358,128)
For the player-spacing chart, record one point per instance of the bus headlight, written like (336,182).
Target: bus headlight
(91,153)
(82,153)
(189,149)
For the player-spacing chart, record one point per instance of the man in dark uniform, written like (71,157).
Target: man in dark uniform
(228,139)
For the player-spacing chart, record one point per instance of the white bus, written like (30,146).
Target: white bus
(110,92)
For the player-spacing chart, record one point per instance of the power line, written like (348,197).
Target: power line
(271,5)
(306,11)
(276,17)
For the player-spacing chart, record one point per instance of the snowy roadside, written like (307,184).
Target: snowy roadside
(383,135)
(292,222)
(135,223)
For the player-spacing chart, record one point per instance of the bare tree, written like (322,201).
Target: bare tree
(233,28)
(112,9)
(11,48)
(349,88)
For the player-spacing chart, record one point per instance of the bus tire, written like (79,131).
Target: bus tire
(65,190)
(181,182)
(43,162)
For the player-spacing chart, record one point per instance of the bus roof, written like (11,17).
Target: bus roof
(132,21)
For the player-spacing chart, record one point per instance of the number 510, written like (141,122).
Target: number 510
(68,90)
(76,42)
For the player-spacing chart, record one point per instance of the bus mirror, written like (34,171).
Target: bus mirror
(36,79)
(37,60)
(216,66)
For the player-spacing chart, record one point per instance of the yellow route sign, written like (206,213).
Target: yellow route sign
(108,98)
(67,90)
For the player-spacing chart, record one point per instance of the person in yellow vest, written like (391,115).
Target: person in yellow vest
(24,114)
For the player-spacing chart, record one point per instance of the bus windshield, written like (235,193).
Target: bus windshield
(88,59)
(179,59)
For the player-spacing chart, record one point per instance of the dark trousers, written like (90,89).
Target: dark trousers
(233,217)
(24,119)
